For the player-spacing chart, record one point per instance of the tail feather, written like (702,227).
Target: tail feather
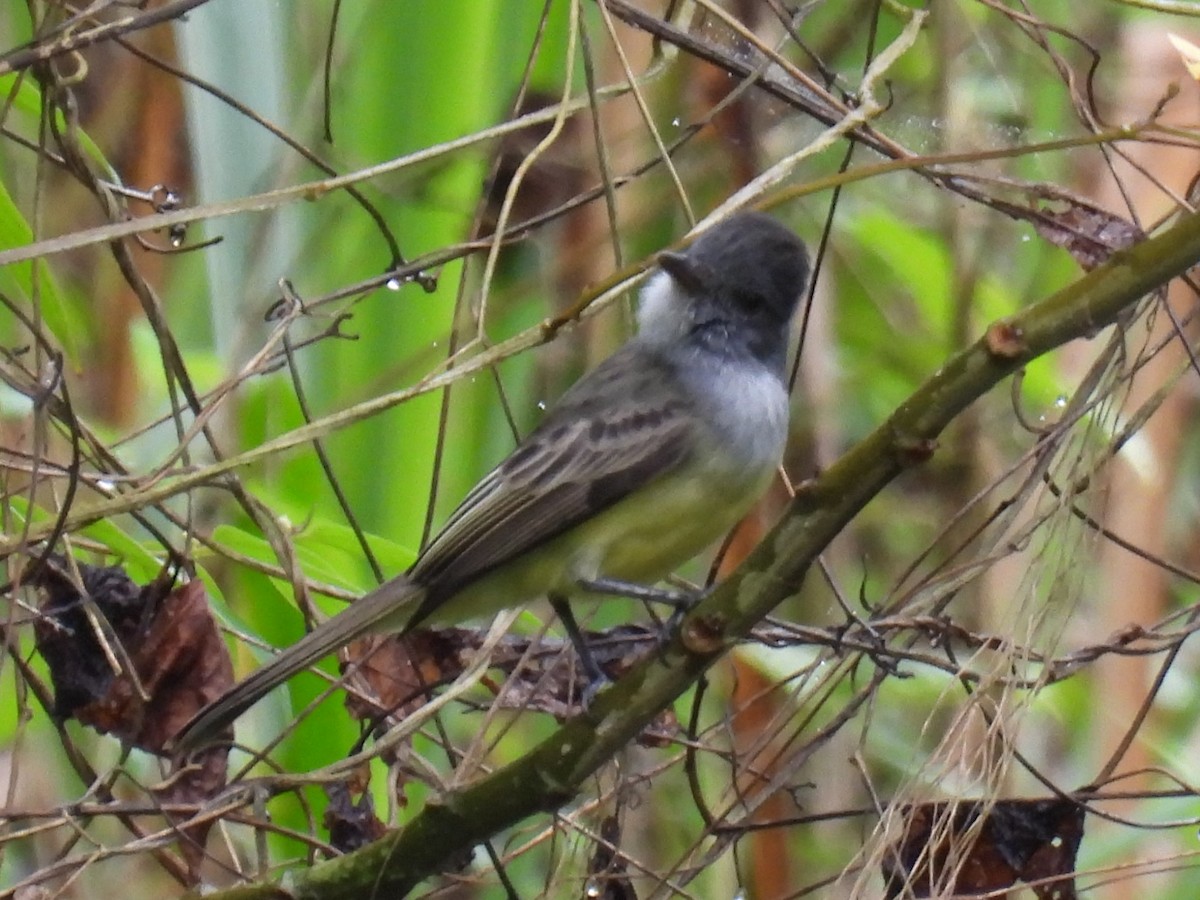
(362,616)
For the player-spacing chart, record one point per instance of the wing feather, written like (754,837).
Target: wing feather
(621,427)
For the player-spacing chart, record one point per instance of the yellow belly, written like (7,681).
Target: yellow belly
(639,540)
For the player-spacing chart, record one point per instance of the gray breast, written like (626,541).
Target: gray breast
(745,407)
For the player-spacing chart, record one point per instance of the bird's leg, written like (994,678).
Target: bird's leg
(614,587)
(596,678)
(681,602)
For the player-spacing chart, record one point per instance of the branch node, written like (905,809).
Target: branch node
(1005,341)
(913,451)
(703,633)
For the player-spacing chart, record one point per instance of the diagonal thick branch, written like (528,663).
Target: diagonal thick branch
(551,774)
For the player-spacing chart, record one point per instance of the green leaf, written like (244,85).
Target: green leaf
(24,281)
(327,552)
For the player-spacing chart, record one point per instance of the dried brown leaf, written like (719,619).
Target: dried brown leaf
(392,675)
(945,849)
(352,823)
(178,657)
(1089,233)
(170,637)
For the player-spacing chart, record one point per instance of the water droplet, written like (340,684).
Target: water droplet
(393,284)
(105,485)
(675,121)
(1060,401)
(1025,239)
(541,404)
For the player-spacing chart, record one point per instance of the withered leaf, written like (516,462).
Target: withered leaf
(80,669)
(170,637)
(392,675)
(944,848)
(352,824)
(176,651)
(182,664)
(1090,234)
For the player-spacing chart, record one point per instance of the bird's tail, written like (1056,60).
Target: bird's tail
(370,612)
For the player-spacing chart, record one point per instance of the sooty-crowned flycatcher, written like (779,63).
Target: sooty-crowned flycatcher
(640,465)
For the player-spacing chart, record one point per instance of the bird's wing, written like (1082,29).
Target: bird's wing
(625,424)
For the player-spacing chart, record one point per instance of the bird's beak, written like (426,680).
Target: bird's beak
(688,274)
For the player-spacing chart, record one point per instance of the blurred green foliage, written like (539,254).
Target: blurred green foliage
(910,275)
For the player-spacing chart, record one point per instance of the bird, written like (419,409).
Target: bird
(641,464)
